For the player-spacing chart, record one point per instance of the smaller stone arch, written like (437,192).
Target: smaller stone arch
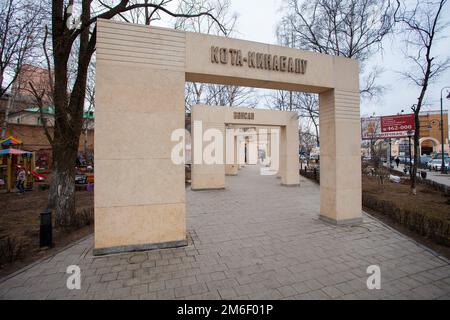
(434,140)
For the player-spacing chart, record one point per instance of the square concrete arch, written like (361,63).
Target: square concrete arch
(140,79)
(212,176)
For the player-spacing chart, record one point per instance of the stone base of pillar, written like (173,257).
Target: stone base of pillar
(139,247)
(354,221)
(205,189)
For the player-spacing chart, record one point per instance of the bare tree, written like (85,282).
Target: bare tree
(305,104)
(19,32)
(227,95)
(281,100)
(308,107)
(348,28)
(19,21)
(77,42)
(307,139)
(422,25)
(212,94)
(141,14)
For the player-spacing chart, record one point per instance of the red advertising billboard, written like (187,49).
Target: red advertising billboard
(398,123)
(398,126)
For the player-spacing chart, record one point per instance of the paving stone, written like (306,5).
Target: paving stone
(109,277)
(173,283)
(165,294)
(182,292)
(139,289)
(255,240)
(227,293)
(333,292)
(287,291)
(301,287)
(156,285)
(121,292)
(199,288)
(220,275)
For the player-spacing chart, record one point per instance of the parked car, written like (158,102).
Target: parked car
(438,164)
(81,179)
(430,164)
(435,164)
(425,159)
(38,177)
(405,160)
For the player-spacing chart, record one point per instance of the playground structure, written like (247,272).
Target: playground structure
(11,158)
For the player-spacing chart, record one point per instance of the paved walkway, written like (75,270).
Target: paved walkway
(254,240)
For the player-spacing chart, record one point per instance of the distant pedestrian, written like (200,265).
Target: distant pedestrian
(21,177)
(397,161)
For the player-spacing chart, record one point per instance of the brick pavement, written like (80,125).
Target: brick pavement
(254,240)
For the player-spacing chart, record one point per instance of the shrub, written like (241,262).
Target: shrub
(10,249)
(82,218)
(428,225)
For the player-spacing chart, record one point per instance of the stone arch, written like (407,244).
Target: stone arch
(434,140)
(141,72)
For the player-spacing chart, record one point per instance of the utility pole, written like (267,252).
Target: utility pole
(389,154)
(443,168)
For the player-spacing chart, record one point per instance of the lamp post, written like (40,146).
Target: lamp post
(443,168)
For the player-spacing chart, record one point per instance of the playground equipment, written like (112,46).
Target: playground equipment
(11,159)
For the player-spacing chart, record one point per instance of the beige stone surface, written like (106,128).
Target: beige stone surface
(323,71)
(139,194)
(138,182)
(206,176)
(340,169)
(135,225)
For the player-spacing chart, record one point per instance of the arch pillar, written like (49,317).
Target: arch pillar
(340,157)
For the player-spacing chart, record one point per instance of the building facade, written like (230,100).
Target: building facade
(21,117)
(430,132)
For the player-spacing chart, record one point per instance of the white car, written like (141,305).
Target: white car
(436,164)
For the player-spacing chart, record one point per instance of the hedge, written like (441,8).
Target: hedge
(415,220)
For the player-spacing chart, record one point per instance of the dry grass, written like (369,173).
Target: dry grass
(19,227)
(426,214)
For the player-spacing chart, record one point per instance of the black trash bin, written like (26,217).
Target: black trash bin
(46,230)
(423,174)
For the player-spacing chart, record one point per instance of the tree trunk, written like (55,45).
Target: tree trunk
(63,185)
(416,155)
(316,128)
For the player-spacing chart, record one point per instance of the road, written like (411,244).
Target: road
(431,175)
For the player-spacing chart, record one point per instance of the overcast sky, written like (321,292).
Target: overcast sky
(257,22)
